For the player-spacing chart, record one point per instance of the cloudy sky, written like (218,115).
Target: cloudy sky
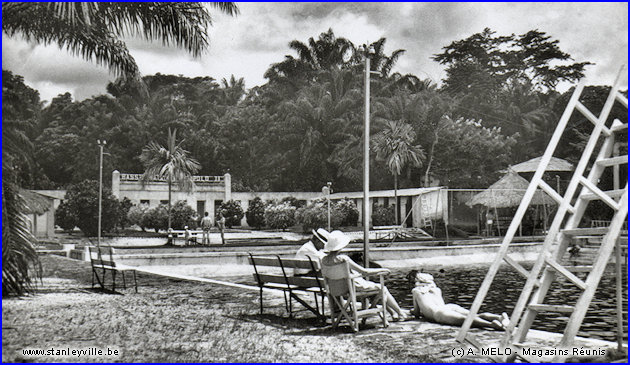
(247,44)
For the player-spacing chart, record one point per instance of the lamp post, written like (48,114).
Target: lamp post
(369,51)
(101,145)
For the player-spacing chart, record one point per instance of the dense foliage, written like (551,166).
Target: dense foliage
(280,215)
(232,212)
(82,200)
(315,215)
(303,127)
(256,213)
(383,216)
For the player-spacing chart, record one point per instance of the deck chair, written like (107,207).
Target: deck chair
(345,300)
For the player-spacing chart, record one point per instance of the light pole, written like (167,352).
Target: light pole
(366,160)
(101,145)
(327,190)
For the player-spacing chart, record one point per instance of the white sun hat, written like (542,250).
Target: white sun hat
(337,240)
(321,234)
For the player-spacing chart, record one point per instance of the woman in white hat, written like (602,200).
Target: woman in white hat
(428,301)
(337,241)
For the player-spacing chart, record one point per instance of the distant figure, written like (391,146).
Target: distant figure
(428,302)
(206,226)
(221,225)
(489,222)
(190,239)
(312,249)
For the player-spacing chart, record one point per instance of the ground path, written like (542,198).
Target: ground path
(174,320)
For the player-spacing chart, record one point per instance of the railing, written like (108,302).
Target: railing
(597,223)
(197,179)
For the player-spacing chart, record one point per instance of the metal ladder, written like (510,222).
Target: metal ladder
(426,221)
(548,262)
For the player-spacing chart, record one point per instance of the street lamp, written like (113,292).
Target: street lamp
(369,51)
(101,145)
(327,190)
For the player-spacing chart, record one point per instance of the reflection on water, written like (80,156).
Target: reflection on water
(460,286)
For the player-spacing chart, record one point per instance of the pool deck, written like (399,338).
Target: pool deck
(439,340)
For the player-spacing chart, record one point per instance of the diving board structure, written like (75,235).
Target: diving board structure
(551,263)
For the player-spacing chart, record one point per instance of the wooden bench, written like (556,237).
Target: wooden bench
(180,234)
(102,259)
(283,278)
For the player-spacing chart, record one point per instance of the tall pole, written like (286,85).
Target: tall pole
(101,144)
(366,164)
(328,191)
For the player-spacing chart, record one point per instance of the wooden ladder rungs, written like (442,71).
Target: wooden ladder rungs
(612,161)
(579,268)
(551,308)
(567,274)
(599,231)
(611,193)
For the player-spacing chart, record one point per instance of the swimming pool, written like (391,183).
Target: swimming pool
(460,285)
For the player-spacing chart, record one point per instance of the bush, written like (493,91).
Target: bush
(156,218)
(349,212)
(64,217)
(123,219)
(82,200)
(383,216)
(293,201)
(136,215)
(280,216)
(256,213)
(232,212)
(182,215)
(315,215)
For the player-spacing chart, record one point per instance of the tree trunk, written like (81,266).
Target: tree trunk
(396,197)
(426,173)
(169,202)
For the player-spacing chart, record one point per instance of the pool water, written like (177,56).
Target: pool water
(460,286)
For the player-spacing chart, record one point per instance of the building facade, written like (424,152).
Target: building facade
(416,205)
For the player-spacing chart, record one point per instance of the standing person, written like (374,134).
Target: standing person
(206,226)
(337,241)
(221,225)
(489,223)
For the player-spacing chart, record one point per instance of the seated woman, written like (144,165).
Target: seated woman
(337,240)
(428,301)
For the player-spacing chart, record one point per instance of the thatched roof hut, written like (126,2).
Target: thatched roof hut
(35,203)
(555,164)
(508,192)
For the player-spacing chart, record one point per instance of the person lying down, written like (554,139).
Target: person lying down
(428,302)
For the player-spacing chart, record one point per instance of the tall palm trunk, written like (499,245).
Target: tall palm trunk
(170,183)
(396,197)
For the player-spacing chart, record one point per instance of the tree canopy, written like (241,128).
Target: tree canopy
(496,106)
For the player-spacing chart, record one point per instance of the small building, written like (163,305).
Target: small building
(40,212)
(416,205)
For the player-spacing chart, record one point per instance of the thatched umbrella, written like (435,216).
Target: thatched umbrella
(555,164)
(508,192)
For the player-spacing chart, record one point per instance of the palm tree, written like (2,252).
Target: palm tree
(91,31)
(394,145)
(171,163)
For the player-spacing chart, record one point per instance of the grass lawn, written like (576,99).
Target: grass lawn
(181,321)
(172,320)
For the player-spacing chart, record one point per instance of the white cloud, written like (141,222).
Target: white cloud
(247,44)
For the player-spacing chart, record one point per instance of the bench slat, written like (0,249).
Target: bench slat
(298,281)
(286,262)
